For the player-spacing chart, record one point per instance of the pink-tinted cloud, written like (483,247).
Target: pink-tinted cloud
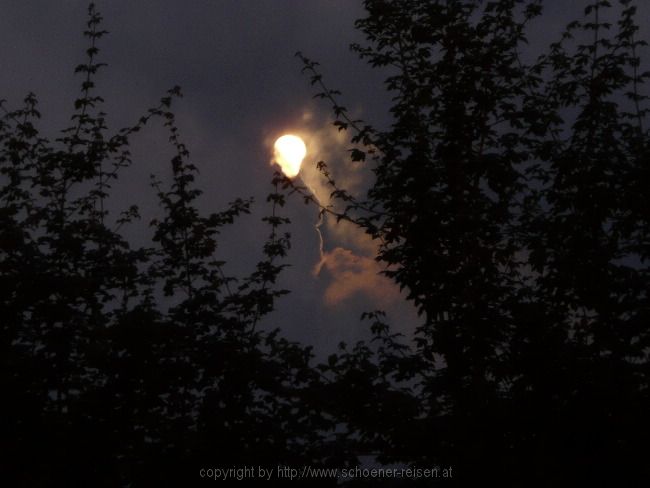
(352,274)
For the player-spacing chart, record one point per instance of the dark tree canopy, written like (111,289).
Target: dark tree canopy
(125,365)
(508,198)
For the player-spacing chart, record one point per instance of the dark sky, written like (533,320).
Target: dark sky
(242,87)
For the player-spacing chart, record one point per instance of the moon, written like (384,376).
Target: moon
(288,152)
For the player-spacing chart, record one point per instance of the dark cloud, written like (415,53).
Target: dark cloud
(235,62)
(242,85)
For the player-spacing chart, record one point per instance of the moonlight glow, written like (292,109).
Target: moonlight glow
(289,151)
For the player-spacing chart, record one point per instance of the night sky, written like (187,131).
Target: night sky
(242,86)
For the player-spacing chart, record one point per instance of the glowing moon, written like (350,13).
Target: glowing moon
(289,151)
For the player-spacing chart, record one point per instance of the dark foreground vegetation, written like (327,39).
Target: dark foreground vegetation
(509,199)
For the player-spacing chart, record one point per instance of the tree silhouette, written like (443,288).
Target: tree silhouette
(126,365)
(509,200)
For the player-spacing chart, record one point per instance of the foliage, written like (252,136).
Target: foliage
(126,365)
(510,201)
